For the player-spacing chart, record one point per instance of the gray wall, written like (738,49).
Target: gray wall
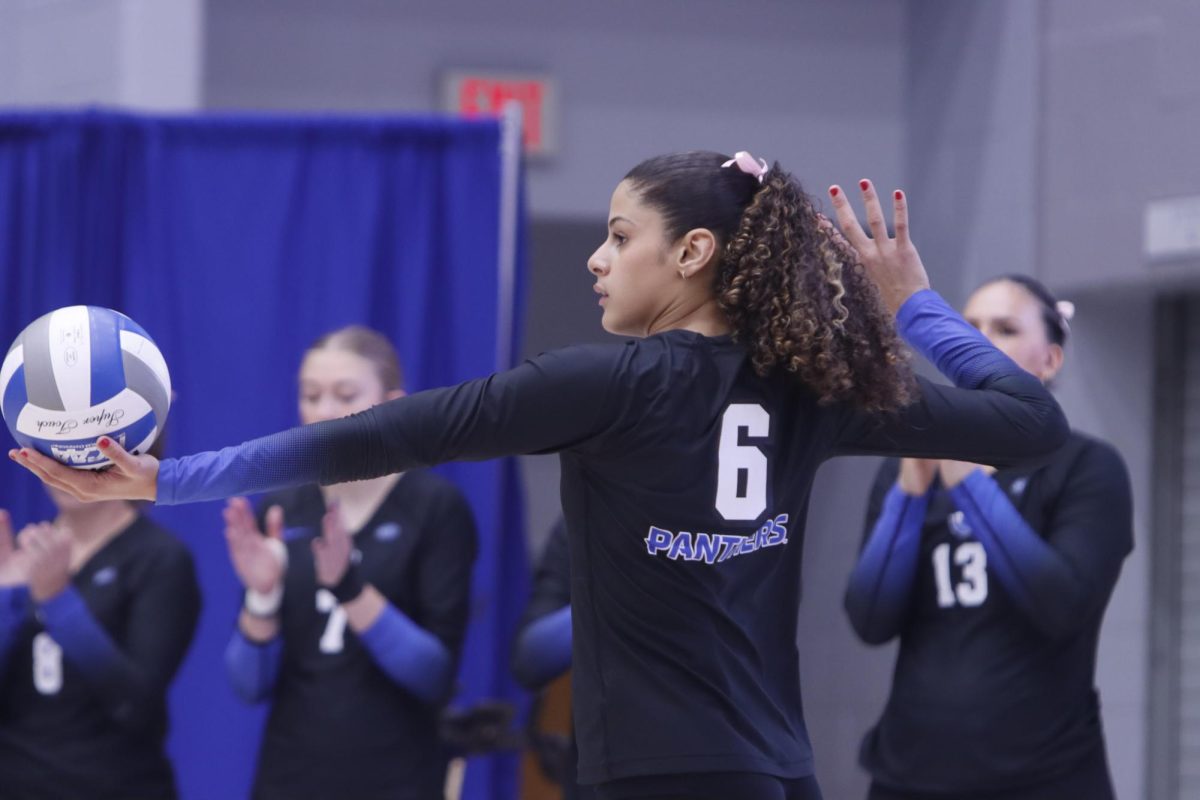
(139,53)
(818,85)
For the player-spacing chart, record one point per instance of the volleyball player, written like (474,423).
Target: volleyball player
(353,637)
(764,345)
(995,582)
(97,610)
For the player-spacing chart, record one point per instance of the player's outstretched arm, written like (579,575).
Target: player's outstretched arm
(129,478)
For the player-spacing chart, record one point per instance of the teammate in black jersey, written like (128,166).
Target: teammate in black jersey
(764,345)
(96,612)
(353,638)
(996,583)
(542,651)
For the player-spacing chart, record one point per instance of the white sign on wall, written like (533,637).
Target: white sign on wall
(1172,228)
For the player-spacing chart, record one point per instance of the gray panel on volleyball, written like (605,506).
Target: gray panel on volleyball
(140,379)
(40,386)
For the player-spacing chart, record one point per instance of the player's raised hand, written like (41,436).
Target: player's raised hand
(916,475)
(49,551)
(893,263)
(259,561)
(331,550)
(14,561)
(955,472)
(129,478)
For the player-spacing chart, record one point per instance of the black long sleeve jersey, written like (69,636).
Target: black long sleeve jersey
(97,730)
(685,484)
(339,726)
(988,695)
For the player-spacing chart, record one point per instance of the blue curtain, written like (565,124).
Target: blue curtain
(235,241)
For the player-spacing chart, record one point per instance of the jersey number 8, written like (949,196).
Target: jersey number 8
(47,665)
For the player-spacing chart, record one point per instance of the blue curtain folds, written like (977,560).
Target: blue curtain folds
(235,241)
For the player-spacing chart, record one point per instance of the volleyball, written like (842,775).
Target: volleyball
(79,373)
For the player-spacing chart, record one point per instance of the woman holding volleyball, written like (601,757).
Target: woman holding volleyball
(353,622)
(765,344)
(97,610)
(995,582)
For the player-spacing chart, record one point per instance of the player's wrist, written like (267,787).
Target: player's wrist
(350,586)
(264,605)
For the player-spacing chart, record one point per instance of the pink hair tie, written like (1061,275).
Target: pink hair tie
(748,164)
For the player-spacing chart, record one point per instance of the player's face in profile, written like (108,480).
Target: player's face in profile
(337,383)
(633,277)
(1011,318)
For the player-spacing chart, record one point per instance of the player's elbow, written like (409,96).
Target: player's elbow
(529,671)
(1065,617)
(1052,430)
(870,626)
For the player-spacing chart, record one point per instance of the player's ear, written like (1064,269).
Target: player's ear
(697,249)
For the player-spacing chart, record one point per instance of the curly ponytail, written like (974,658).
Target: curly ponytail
(792,289)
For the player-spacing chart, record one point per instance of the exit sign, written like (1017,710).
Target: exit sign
(473,94)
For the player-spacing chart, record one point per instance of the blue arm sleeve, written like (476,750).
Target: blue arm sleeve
(253,667)
(543,649)
(14,606)
(952,345)
(1062,581)
(880,589)
(996,414)
(410,655)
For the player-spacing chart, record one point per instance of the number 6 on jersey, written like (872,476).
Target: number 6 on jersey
(742,468)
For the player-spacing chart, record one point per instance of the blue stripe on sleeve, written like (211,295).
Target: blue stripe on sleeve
(289,458)
(253,667)
(1023,562)
(956,349)
(880,589)
(410,655)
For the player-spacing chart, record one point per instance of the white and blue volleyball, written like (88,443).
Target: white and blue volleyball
(79,373)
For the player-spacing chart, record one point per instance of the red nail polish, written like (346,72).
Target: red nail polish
(24,454)
(103,444)
(899,195)
(833,191)
(864,184)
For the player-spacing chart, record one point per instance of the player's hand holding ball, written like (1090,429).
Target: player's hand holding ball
(85,391)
